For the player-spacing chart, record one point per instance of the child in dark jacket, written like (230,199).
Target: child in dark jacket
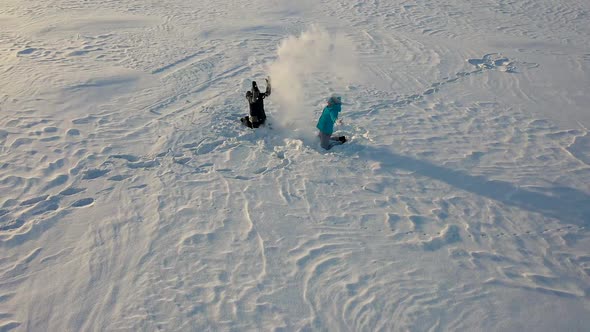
(255,101)
(326,123)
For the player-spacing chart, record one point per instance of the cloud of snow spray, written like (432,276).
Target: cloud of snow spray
(308,69)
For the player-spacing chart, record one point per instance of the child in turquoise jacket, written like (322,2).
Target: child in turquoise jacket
(326,123)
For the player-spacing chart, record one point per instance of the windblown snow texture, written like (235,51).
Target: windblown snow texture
(132,199)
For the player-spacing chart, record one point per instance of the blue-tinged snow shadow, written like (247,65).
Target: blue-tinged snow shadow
(565,204)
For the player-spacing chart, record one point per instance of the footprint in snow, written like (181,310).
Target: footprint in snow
(94,173)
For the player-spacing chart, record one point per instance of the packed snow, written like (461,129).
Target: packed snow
(132,198)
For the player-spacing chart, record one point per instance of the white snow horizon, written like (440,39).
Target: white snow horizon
(132,198)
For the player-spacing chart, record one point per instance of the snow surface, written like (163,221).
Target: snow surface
(131,198)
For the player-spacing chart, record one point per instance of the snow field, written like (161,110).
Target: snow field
(132,199)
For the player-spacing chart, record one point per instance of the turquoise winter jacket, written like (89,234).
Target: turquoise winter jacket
(328,117)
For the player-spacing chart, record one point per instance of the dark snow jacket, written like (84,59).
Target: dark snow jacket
(256,102)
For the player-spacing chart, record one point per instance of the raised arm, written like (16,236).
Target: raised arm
(268,88)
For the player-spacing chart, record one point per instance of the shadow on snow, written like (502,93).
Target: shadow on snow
(566,204)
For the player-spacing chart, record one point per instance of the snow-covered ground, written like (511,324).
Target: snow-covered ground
(131,198)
